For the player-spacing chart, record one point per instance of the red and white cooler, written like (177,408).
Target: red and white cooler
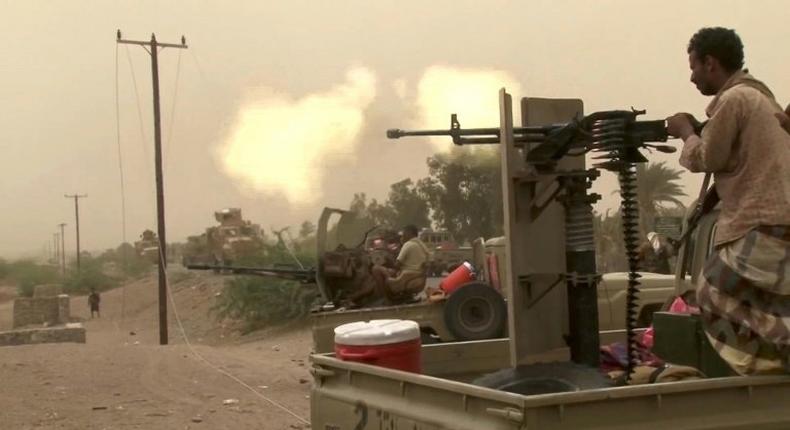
(461,275)
(388,343)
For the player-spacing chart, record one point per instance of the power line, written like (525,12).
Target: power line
(168,143)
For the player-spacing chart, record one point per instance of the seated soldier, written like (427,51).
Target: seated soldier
(407,278)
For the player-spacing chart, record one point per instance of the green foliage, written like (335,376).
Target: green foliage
(404,205)
(609,245)
(260,302)
(90,276)
(464,192)
(26,274)
(3,268)
(124,262)
(307,228)
(656,185)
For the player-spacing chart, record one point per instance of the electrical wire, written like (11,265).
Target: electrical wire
(173,110)
(162,261)
(143,134)
(211,365)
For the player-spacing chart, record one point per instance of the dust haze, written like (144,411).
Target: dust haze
(280,108)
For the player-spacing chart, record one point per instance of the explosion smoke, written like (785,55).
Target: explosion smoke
(282,145)
(471,93)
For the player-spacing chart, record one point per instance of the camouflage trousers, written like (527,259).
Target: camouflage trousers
(744,297)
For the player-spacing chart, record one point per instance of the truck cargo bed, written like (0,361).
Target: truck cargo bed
(374,397)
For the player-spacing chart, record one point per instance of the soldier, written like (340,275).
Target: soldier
(93,301)
(744,293)
(408,276)
(401,282)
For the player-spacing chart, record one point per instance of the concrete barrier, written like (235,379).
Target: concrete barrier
(74,333)
(41,310)
(47,290)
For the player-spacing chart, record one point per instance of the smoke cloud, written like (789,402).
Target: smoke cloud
(470,93)
(283,145)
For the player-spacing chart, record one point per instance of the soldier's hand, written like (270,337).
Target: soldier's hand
(681,125)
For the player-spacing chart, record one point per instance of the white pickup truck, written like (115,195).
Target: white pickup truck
(348,395)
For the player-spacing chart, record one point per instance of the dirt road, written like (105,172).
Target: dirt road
(123,379)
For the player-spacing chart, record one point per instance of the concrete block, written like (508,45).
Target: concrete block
(47,290)
(74,333)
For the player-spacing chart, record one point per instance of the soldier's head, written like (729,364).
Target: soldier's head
(409,232)
(715,53)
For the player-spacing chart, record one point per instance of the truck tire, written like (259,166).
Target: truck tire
(544,378)
(475,311)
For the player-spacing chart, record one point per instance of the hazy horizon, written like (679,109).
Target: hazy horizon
(280,109)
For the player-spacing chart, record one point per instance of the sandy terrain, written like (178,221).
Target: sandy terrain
(123,379)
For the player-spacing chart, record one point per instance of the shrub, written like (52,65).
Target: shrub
(264,301)
(26,274)
(89,277)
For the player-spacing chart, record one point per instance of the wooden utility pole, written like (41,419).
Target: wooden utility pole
(56,253)
(153,48)
(62,248)
(77,198)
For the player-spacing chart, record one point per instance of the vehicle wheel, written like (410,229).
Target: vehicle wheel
(544,378)
(475,311)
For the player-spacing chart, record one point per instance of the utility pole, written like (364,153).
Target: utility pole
(153,48)
(62,248)
(77,198)
(55,254)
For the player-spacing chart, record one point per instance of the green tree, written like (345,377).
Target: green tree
(306,229)
(656,186)
(609,245)
(464,193)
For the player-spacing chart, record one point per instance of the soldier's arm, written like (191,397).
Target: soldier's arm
(711,151)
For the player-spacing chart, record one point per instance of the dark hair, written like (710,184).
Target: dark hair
(411,229)
(720,43)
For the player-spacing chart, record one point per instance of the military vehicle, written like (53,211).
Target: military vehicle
(552,288)
(483,316)
(446,253)
(148,246)
(233,239)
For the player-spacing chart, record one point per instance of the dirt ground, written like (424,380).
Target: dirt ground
(123,379)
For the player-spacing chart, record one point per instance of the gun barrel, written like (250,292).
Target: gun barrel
(307,275)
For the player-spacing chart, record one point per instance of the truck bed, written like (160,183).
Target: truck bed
(349,395)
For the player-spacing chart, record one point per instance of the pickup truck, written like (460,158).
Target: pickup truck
(445,321)
(350,395)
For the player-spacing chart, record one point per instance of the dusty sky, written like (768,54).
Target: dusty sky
(265,82)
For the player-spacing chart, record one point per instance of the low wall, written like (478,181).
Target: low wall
(47,290)
(41,310)
(74,333)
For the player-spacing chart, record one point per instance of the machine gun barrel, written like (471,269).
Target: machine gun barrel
(616,133)
(478,136)
(306,276)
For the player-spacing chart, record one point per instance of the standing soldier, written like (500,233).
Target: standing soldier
(93,301)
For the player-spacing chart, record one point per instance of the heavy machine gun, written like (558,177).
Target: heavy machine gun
(534,179)
(617,134)
(305,276)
